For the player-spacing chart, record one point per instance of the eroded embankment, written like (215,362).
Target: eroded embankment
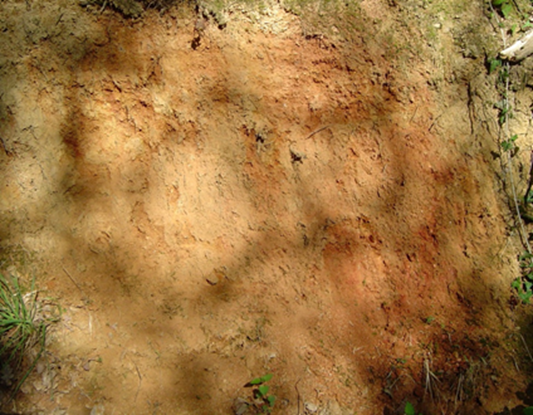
(245,200)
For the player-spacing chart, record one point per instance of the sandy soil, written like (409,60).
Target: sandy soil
(210,201)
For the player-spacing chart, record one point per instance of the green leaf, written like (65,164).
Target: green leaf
(494,64)
(263,390)
(409,409)
(528,411)
(262,379)
(506,9)
(524,256)
(497,2)
(271,400)
(524,298)
(508,144)
(523,290)
(266,378)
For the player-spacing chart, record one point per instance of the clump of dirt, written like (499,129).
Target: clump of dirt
(312,196)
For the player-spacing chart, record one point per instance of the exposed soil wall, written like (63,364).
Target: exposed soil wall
(318,199)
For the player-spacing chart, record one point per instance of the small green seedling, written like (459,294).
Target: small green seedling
(505,114)
(524,284)
(508,145)
(494,65)
(264,401)
(523,290)
(409,409)
(505,7)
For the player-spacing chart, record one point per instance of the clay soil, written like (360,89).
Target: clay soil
(211,195)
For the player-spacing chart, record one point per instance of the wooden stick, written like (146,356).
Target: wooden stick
(519,50)
(74,282)
(317,131)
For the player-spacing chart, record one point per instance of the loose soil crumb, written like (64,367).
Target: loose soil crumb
(210,203)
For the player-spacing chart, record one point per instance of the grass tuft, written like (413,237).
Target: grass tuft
(22,326)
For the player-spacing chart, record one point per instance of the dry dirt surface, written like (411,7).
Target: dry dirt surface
(212,195)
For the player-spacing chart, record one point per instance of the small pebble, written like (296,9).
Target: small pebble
(98,410)
(311,407)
